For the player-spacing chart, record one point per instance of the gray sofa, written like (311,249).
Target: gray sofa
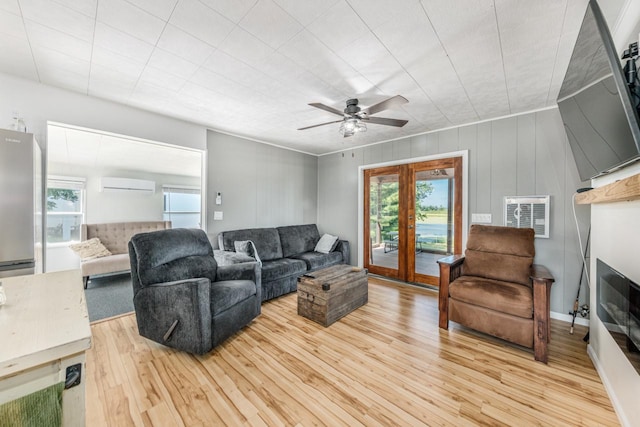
(286,254)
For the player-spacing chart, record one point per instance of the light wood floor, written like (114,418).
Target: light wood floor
(386,363)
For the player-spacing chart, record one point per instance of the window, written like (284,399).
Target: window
(65,212)
(182,206)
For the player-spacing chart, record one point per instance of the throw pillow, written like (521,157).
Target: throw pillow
(246,247)
(90,249)
(326,243)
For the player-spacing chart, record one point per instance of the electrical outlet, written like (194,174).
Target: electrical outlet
(478,218)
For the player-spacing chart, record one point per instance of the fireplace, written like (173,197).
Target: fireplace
(619,310)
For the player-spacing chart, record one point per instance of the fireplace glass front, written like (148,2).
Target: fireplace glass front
(619,310)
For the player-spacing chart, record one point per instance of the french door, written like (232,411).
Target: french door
(413,217)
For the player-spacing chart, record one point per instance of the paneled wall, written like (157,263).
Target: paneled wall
(261,185)
(516,156)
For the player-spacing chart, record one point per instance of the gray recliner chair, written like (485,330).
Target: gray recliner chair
(182,298)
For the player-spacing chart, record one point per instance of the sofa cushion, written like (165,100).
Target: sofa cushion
(108,264)
(284,267)
(510,298)
(500,253)
(316,260)
(266,240)
(297,239)
(248,248)
(175,254)
(227,293)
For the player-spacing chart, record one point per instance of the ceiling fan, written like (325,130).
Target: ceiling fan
(354,118)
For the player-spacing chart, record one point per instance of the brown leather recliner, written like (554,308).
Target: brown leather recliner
(495,288)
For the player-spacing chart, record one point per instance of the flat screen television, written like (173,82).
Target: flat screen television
(599,114)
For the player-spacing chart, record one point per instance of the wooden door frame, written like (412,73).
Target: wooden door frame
(449,162)
(464,154)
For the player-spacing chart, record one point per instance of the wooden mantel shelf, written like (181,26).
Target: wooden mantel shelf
(620,191)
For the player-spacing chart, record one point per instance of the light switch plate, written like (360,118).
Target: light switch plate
(480,218)
(217,215)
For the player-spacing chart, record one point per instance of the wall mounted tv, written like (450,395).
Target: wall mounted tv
(599,113)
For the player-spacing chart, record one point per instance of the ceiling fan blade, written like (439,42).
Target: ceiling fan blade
(327,108)
(394,101)
(386,122)
(321,124)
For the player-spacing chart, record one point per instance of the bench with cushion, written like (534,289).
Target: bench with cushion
(115,237)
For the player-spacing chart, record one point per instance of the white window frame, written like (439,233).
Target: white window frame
(185,189)
(66,183)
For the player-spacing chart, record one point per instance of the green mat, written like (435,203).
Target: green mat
(40,409)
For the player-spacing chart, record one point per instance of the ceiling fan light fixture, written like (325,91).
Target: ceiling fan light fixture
(351,126)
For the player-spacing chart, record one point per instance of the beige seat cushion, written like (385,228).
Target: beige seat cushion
(110,264)
(509,298)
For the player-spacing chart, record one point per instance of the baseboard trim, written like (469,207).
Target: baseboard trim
(568,318)
(607,386)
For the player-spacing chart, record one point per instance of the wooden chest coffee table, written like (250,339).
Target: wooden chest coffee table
(327,295)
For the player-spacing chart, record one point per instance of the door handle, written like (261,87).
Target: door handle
(410,227)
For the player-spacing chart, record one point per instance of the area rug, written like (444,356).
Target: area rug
(109,296)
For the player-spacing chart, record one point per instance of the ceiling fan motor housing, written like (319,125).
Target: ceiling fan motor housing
(352,107)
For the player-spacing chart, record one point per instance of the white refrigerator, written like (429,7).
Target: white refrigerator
(21,202)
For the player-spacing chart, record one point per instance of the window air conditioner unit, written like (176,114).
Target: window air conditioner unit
(109,184)
(528,212)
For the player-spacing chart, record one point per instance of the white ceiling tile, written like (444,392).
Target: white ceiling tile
(12,25)
(377,12)
(86,7)
(184,45)
(161,79)
(232,68)
(64,79)
(341,75)
(306,12)
(122,43)
(130,19)
(279,67)
(10,6)
(159,8)
(170,63)
(201,21)
(245,47)
(221,84)
(52,60)
(306,50)
(58,17)
(234,10)
(17,57)
(101,75)
(339,26)
(268,22)
(370,58)
(127,67)
(42,36)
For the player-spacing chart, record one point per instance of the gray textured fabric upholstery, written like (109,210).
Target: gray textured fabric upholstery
(175,278)
(297,239)
(288,253)
(266,240)
(284,267)
(317,260)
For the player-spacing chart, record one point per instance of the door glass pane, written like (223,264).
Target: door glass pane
(383,220)
(434,218)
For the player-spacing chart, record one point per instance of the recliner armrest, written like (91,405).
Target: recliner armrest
(450,268)
(540,272)
(160,305)
(542,279)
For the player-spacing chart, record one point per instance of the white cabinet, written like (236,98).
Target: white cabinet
(44,328)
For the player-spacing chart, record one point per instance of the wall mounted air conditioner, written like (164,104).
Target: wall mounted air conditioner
(528,212)
(110,184)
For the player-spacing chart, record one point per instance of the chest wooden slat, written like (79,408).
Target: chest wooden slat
(327,295)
